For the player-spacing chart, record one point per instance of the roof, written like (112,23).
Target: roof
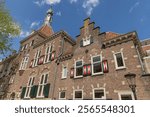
(111,35)
(46,30)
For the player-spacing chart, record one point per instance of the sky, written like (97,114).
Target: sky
(120,16)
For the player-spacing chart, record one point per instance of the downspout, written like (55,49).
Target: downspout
(56,68)
(142,65)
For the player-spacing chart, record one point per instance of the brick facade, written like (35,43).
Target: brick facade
(90,43)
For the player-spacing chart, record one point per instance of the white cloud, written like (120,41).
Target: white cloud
(89,5)
(34,24)
(58,13)
(48,2)
(134,6)
(73,1)
(24,34)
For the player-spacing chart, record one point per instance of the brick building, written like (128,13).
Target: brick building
(55,66)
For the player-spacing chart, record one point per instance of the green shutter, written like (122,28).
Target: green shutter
(46,90)
(33,92)
(23,92)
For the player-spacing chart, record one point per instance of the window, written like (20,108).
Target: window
(97,65)
(64,72)
(24,63)
(36,58)
(126,95)
(86,41)
(22,48)
(29,86)
(148,52)
(42,84)
(99,94)
(78,69)
(62,95)
(48,54)
(31,43)
(119,61)
(78,94)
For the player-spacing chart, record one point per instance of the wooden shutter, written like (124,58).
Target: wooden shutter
(72,73)
(46,90)
(105,66)
(89,70)
(81,43)
(41,60)
(33,92)
(84,70)
(31,64)
(53,56)
(23,92)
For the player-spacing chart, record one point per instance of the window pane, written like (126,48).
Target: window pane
(79,63)
(62,94)
(119,60)
(46,76)
(42,79)
(97,67)
(96,59)
(78,94)
(99,93)
(79,71)
(40,91)
(126,97)
(64,72)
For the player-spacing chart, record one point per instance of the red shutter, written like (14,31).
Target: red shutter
(31,64)
(105,66)
(53,56)
(89,69)
(84,70)
(41,60)
(71,72)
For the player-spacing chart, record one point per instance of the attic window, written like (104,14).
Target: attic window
(86,41)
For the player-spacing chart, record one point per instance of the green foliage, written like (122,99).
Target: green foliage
(8,30)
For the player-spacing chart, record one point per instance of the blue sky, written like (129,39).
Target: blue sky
(119,16)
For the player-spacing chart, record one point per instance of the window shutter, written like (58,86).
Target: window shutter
(46,90)
(23,92)
(88,69)
(105,66)
(41,60)
(84,70)
(33,92)
(81,43)
(31,64)
(53,56)
(71,72)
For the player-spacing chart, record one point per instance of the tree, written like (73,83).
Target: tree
(8,29)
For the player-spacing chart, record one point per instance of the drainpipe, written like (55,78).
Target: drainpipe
(141,62)
(56,68)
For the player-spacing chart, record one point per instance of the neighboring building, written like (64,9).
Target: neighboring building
(54,66)
(7,71)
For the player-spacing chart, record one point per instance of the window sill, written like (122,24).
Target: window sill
(77,77)
(40,97)
(63,78)
(120,68)
(96,74)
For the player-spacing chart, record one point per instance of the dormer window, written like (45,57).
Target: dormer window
(86,42)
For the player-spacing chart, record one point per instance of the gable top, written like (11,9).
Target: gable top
(111,35)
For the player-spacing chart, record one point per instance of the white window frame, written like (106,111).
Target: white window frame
(60,95)
(87,40)
(24,63)
(31,43)
(125,93)
(76,91)
(116,64)
(96,62)
(42,85)
(63,74)
(36,58)
(77,67)
(49,53)
(103,98)
(29,86)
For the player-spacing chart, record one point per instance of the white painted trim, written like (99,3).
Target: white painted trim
(75,69)
(92,65)
(74,94)
(103,98)
(125,93)
(116,64)
(60,95)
